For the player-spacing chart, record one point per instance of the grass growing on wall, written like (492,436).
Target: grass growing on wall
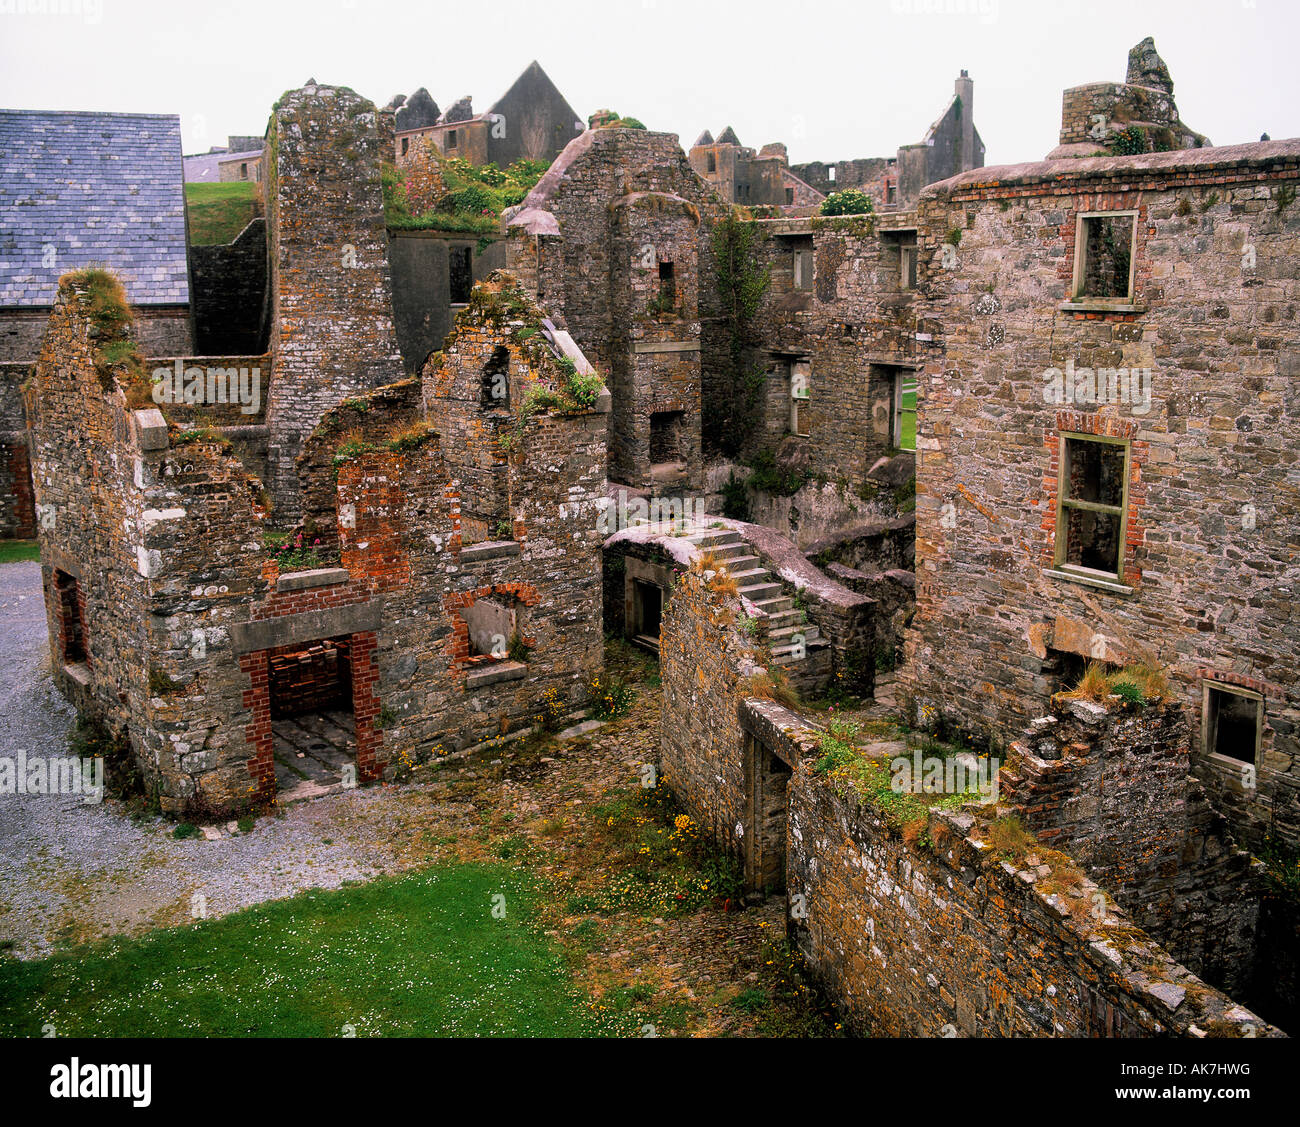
(473,199)
(419,955)
(218,212)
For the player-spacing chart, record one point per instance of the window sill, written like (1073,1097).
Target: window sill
(495,673)
(79,671)
(1083,305)
(1088,580)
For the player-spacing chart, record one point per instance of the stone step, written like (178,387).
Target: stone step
(714,538)
(774,606)
(647,641)
(757,591)
(749,575)
(785,655)
(731,553)
(809,632)
(780,618)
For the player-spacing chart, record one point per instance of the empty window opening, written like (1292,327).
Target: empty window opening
(1091,502)
(830,172)
(1233,719)
(903,431)
(767,779)
(666,438)
(667,285)
(72,617)
(406,144)
(313,725)
(713,163)
(802,265)
(1104,256)
(451,138)
(891,193)
(789,196)
(495,630)
(494,387)
(460,274)
(800,392)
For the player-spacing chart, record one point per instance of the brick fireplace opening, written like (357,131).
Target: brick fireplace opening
(313,726)
(314,716)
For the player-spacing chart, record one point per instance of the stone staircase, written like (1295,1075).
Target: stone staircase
(810,668)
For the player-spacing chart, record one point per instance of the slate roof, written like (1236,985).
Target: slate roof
(101,188)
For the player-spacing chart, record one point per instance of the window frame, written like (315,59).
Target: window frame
(1207,742)
(1126,302)
(1064,503)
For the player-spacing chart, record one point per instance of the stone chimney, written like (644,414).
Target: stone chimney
(964,88)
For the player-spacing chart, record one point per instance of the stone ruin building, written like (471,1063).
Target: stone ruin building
(1014,423)
(951,145)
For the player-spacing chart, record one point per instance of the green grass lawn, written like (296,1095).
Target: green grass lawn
(218,212)
(15,551)
(907,417)
(418,955)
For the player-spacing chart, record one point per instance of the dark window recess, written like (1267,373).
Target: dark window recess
(451,138)
(667,285)
(713,163)
(1108,249)
(71,617)
(649,607)
(665,437)
(494,389)
(1095,476)
(460,274)
(1233,725)
(789,196)
(406,144)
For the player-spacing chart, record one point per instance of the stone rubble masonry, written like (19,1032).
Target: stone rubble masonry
(586,243)
(17,505)
(855,325)
(1111,788)
(1212,502)
(331,301)
(229,294)
(1014,959)
(706,665)
(181,604)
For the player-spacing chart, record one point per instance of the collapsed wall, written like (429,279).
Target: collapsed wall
(947,926)
(1110,785)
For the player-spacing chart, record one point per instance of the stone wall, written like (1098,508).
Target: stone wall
(1110,787)
(157,536)
(952,940)
(846,334)
(331,301)
(588,241)
(228,292)
(422,307)
(1210,349)
(160,330)
(17,506)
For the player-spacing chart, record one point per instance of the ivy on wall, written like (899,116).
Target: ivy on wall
(741,282)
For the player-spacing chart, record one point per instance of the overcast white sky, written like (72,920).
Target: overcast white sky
(832,79)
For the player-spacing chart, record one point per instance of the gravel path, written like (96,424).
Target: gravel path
(72,871)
